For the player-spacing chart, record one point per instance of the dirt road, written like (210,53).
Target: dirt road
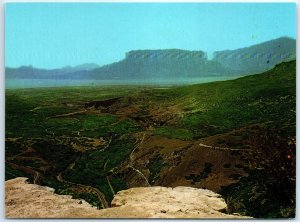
(138,143)
(101,196)
(222,148)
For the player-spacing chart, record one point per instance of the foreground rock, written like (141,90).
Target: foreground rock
(25,200)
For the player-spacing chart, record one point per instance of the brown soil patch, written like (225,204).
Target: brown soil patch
(185,163)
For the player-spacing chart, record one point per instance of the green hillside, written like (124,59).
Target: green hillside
(227,105)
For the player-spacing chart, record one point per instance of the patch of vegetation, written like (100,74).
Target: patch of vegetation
(235,145)
(105,189)
(234,153)
(227,165)
(239,166)
(270,189)
(105,125)
(94,165)
(61,126)
(58,155)
(91,122)
(89,125)
(11,173)
(203,175)
(19,119)
(29,163)
(223,106)
(235,176)
(12,148)
(220,141)
(177,133)
(54,183)
(118,184)
(64,189)
(155,165)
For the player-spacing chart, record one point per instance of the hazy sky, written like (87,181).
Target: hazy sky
(53,35)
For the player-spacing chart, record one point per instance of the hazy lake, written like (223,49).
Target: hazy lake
(36,83)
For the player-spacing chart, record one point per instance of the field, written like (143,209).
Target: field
(234,137)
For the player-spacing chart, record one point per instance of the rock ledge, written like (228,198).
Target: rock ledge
(25,200)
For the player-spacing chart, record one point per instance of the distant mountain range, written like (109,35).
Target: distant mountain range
(173,63)
(29,72)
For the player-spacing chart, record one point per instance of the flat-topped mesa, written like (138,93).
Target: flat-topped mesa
(171,64)
(165,54)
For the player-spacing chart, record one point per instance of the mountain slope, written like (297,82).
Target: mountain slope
(258,58)
(174,63)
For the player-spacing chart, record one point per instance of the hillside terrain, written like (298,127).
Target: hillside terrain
(25,200)
(236,138)
(167,64)
(258,58)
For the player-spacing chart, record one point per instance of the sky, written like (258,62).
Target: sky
(54,35)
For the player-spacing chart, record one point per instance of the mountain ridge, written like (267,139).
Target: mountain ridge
(173,63)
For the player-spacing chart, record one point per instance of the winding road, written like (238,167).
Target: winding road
(107,178)
(67,114)
(100,195)
(222,148)
(36,177)
(138,143)
(27,170)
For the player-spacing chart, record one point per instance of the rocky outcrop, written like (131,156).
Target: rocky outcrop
(178,202)
(25,200)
